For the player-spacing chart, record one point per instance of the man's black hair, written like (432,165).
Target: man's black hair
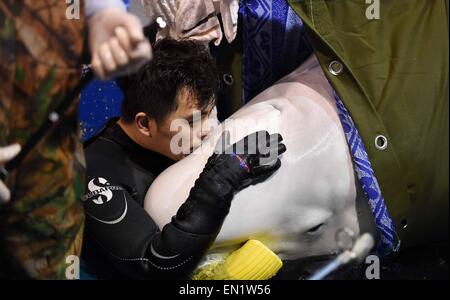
(175,65)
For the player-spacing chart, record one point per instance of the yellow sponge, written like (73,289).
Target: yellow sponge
(253,261)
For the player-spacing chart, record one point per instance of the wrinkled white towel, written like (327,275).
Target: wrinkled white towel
(195,19)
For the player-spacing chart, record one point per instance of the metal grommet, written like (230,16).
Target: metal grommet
(335,67)
(381,142)
(228,79)
(53,117)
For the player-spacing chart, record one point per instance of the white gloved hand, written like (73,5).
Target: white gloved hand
(117,43)
(6,154)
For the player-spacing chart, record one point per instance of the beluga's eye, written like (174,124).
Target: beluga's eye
(315,229)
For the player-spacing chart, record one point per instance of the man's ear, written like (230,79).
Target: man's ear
(144,124)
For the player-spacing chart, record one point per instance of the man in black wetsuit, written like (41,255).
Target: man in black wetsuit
(121,239)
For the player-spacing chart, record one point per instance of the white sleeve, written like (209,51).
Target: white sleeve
(94,6)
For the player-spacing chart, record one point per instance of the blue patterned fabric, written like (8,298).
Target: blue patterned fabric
(389,239)
(274,45)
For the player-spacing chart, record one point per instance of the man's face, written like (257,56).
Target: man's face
(184,129)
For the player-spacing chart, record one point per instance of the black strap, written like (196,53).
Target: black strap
(55,118)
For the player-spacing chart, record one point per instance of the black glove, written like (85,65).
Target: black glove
(230,169)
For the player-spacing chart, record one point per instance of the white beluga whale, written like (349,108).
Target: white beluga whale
(299,209)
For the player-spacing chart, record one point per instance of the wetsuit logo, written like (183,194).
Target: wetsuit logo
(101,188)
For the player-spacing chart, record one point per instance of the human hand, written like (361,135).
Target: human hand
(250,160)
(6,154)
(117,43)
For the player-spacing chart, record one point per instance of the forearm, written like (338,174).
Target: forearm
(177,249)
(175,253)
(138,249)
(172,253)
